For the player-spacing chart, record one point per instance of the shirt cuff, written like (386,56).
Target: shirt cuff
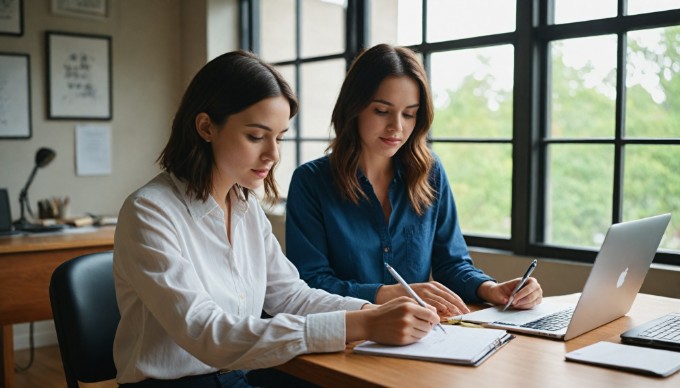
(325,332)
(353,304)
(473,286)
(365,291)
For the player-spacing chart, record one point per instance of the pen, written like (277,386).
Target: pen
(410,291)
(531,269)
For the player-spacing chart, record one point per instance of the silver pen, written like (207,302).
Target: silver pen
(531,268)
(410,291)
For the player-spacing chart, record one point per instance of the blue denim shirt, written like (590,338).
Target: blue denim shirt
(341,247)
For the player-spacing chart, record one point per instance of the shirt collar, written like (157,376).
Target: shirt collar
(199,209)
(196,207)
(398,172)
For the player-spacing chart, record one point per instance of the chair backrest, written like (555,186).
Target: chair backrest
(86,316)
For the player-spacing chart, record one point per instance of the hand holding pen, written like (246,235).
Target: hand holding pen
(521,283)
(410,291)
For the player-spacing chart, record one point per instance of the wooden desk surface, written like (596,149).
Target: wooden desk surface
(526,361)
(57,241)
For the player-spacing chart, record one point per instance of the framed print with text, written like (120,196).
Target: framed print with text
(78,76)
(94,9)
(15,96)
(12,17)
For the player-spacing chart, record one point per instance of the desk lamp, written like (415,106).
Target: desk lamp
(43,157)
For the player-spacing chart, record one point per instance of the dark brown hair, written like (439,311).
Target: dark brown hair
(363,79)
(226,85)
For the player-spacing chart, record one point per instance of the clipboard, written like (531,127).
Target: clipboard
(459,346)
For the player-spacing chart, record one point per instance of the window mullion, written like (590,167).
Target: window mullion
(619,131)
(524,103)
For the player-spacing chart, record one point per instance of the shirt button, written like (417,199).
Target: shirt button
(241,296)
(386,249)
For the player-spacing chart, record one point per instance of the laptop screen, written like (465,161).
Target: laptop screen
(5,214)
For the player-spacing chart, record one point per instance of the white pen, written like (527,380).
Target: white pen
(410,291)
(531,268)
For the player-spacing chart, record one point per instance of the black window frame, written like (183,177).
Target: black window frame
(531,40)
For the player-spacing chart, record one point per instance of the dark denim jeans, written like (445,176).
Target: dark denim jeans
(235,379)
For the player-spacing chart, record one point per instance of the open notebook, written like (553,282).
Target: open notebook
(460,345)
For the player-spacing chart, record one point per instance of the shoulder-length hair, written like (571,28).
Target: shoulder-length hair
(363,79)
(226,85)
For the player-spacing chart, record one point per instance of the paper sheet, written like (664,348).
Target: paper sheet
(93,150)
(628,357)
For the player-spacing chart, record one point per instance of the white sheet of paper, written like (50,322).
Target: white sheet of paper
(93,150)
(627,357)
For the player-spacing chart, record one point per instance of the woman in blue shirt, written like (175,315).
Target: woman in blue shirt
(381,196)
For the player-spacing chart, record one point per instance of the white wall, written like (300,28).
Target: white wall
(157,46)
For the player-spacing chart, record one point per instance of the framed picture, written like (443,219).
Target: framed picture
(96,9)
(12,17)
(15,96)
(78,76)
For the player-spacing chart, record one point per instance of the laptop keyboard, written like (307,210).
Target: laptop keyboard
(666,330)
(552,322)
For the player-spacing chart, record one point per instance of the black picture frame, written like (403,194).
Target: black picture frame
(15,96)
(91,9)
(78,76)
(12,17)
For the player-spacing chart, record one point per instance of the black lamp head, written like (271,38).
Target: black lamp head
(44,156)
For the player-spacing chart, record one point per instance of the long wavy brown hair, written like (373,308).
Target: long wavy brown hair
(363,79)
(226,85)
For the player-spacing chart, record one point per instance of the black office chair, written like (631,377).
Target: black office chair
(85,317)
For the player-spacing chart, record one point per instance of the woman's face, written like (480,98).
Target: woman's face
(246,146)
(386,123)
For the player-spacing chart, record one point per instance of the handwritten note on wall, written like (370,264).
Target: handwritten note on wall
(93,150)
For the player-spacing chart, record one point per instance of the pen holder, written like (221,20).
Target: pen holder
(54,208)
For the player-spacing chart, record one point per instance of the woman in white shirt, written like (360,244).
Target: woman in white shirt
(195,260)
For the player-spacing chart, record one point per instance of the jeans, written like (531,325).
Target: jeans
(235,379)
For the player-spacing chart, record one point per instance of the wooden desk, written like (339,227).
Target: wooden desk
(26,266)
(524,362)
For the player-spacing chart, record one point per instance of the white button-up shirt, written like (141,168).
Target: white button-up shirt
(190,301)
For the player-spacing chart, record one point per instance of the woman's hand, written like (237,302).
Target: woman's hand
(527,297)
(400,321)
(435,294)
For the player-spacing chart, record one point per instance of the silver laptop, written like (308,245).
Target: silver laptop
(614,281)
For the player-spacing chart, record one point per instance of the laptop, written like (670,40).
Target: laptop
(614,281)
(6,227)
(662,332)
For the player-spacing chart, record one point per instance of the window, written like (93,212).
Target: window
(608,127)
(553,118)
(305,40)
